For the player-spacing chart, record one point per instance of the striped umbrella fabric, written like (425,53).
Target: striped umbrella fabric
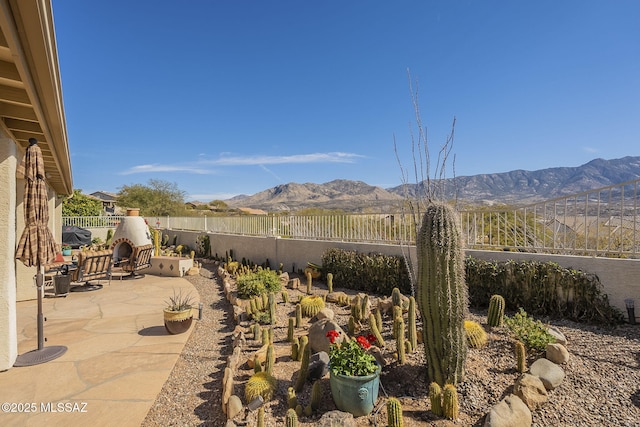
(37,246)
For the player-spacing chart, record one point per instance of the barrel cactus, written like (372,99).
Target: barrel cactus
(495,315)
(441,293)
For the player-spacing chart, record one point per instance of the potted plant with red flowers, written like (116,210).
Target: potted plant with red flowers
(354,374)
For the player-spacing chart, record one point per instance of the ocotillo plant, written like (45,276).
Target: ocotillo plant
(441,293)
(495,315)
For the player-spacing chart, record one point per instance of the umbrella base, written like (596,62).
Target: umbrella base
(43,355)
(87,287)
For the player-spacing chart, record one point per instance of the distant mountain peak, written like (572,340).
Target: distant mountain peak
(514,187)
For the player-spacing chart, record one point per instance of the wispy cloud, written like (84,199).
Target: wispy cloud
(333,157)
(199,170)
(269,171)
(200,167)
(590,149)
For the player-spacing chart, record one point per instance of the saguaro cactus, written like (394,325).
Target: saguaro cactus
(441,293)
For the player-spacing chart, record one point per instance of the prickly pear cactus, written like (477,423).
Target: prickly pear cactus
(441,293)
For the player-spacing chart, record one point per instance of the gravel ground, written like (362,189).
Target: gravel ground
(602,386)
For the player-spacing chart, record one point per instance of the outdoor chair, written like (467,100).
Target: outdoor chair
(92,265)
(140,259)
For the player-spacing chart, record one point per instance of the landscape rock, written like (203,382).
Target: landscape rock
(258,357)
(233,361)
(193,271)
(234,406)
(385,305)
(557,353)
(318,335)
(559,336)
(294,283)
(549,373)
(334,297)
(336,419)
(531,391)
(227,387)
(318,365)
(284,278)
(509,412)
(325,313)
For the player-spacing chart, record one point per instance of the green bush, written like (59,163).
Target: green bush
(528,330)
(541,288)
(257,283)
(372,272)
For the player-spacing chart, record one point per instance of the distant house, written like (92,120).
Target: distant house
(108,201)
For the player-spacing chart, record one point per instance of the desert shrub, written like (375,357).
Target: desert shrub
(372,272)
(256,283)
(541,288)
(528,330)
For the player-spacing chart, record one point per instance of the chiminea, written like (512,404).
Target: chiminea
(132,231)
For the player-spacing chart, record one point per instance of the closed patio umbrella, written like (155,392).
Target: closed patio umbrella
(37,247)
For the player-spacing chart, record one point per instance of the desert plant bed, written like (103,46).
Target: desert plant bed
(601,384)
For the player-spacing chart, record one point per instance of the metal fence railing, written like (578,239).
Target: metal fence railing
(602,222)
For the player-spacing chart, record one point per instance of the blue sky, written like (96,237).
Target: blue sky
(235,97)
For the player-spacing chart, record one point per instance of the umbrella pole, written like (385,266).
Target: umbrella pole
(40,320)
(42,354)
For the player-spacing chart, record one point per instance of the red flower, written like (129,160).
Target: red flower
(371,338)
(364,343)
(332,335)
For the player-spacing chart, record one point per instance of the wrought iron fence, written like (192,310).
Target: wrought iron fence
(602,222)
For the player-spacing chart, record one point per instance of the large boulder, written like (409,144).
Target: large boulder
(531,391)
(549,373)
(318,335)
(557,353)
(509,412)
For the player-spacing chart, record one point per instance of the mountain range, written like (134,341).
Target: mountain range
(516,187)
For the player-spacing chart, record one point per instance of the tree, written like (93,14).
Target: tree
(218,205)
(158,198)
(81,205)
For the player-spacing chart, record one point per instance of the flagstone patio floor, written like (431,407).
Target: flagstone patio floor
(118,356)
